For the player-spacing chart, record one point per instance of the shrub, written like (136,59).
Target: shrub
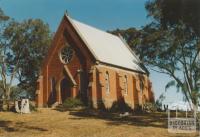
(32,107)
(101,106)
(150,107)
(120,106)
(72,103)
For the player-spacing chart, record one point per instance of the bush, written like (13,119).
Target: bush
(32,107)
(120,106)
(101,106)
(72,103)
(150,107)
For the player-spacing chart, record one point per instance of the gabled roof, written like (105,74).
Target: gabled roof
(107,48)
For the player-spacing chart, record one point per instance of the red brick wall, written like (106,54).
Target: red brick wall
(134,96)
(52,66)
(95,74)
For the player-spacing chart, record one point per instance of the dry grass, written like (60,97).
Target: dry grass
(82,123)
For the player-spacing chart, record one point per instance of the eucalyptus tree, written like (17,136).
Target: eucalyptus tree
(29,42)
(170,43)
(4,66)
(23,46)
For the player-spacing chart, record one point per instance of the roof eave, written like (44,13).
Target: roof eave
(121,67)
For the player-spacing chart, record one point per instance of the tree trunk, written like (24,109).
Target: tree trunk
(6,102)
(195,108)
(5,106)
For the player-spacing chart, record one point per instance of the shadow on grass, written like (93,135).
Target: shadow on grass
(5,125)
(10,126)
(22,125)
(136,119)
(64,109)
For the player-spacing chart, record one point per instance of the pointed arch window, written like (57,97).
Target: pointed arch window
(141,86)
(107,82)
(125,85)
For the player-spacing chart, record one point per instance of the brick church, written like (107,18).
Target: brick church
(94,65)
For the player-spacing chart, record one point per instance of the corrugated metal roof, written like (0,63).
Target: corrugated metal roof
(107,48)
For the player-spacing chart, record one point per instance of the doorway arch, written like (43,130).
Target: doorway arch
(65,89)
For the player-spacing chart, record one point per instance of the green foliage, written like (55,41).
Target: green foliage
(32,107)
(23,46)
(72,103)
(170,84)
(29,42)
(173,39)
(170,44)
(3,17)
(15,92)
(131,35)
(150,107)
(172,12)
(159,101)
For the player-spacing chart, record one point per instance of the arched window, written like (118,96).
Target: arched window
(107,81)
(141,86)
(125,85)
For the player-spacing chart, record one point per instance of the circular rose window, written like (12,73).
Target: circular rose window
(66,54)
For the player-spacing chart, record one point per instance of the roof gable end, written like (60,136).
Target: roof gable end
(107,48)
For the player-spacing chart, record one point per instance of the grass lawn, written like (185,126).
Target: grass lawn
(83,123)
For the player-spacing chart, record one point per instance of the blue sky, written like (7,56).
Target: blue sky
(103,14)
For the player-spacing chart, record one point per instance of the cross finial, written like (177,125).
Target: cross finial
(66,13)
